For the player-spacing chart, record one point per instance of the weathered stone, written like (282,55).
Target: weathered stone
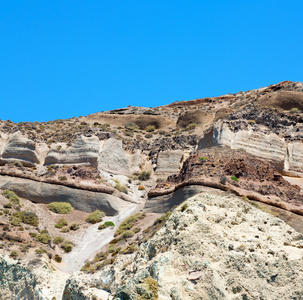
(19,148)
(113,158)
(84,150)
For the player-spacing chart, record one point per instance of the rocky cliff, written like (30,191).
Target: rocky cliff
(214,246)
(124,175)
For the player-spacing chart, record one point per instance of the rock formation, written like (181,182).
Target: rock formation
(119,227)
(83,150)
(19,148)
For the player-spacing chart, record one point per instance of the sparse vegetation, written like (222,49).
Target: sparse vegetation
(60,207)
(128,223)
(184,207)
(58,240)
(27,217)
(95,217)
(203,158)
(144,175)
(11,196)
(150,128)
(61,223)
(14,254)
(131,126)
(74,226)
(106,224)
(67,246)
(44,237)
(295,110)
(58,258)
(191,126)
(121,188)
(127,234)
(234,178)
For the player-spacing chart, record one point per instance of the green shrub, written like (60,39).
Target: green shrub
(67,246)
(295,110)
(13,254)
(191,126)
(150,128)
(7,205)
(127,234)
(129,222)
(61,223)
(106,224)
(234,178)
(65,229)
(130,249)
(131,126)
(44,238)
(184,207)
(58,258)
(136,230)
(60,207)
(74,226)
(11,196)
(27,217)
(62,178)
(144,175)
(121,188)
(58,240)
(203,158)
(33,234)
(15,221)
(95,217)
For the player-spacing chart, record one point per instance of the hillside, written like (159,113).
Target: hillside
(121,227)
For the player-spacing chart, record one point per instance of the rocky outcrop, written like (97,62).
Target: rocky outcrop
(41,192)
(163,203)
(113,158)
(83,150)
(264,132)
(17,282)
(168,162)
(35,280)
(268,146)
(214,246)
(19,148)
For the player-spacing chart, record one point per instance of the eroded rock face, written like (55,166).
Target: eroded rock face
(19,148)
(113,157)
(16,282)
(215,246)
(34,280)
(269,146)
(84,150)
(169,161)
(41,192)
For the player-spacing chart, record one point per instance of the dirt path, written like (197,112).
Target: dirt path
(91,242)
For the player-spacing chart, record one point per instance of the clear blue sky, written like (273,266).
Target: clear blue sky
(60,59)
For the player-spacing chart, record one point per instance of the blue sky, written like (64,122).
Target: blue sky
(60,59)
